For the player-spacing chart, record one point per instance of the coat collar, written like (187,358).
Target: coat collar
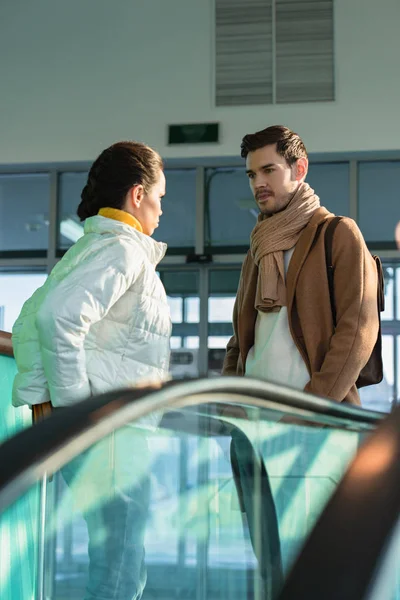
(301,251)
(155,251)
(120,215)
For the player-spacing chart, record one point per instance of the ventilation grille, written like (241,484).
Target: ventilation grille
(304,50)
(243,52)
(274,51)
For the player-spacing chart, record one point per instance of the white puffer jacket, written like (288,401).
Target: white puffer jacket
(101,320)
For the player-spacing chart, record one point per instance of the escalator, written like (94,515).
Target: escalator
(225,480)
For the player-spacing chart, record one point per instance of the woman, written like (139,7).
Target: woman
(101,321)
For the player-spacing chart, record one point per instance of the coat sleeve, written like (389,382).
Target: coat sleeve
(232,349)
(230,366)
(81,299)
(355,288)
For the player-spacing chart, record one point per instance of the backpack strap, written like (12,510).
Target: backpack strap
(333,223)
(381,283)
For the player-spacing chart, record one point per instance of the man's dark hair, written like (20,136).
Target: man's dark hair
(288,144)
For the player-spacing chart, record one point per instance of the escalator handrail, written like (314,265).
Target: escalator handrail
(343,554)
(48,445)
(6,348)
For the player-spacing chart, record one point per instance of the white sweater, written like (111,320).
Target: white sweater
(274,356)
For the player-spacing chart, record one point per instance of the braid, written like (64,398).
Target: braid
(89,202)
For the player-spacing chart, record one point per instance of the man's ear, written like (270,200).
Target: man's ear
(301,168)
(397,235)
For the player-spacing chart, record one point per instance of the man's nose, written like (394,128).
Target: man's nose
(259,181)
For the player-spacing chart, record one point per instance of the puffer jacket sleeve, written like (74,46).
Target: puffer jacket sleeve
(82,298)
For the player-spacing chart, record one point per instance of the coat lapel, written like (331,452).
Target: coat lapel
(301,252)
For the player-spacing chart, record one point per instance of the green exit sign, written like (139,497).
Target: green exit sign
(193,133)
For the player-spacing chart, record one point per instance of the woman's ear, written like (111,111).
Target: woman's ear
(135,196)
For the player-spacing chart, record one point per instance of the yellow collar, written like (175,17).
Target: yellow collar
(121,215)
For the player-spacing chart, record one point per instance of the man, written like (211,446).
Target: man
(282,319)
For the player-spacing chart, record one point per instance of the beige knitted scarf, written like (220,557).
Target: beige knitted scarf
(270,238)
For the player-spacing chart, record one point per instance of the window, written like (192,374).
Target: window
(388,313)
(179,207)
(220,308)
(382,396)
(228,194)
(330,182)
(16,288)
(70,227)
(192,309)
(397,292)
(223,286)
(379,201)
(201,296)
(397,386)
(182,287)
(175,342)
(178,222)
(24,208)
(176,308)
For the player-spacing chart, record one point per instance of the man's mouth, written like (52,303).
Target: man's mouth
(263,197)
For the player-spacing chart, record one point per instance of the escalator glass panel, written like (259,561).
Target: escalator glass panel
(215,502)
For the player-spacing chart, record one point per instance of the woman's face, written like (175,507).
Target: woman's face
(146,206)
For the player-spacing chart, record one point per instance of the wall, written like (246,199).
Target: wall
(78,75)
